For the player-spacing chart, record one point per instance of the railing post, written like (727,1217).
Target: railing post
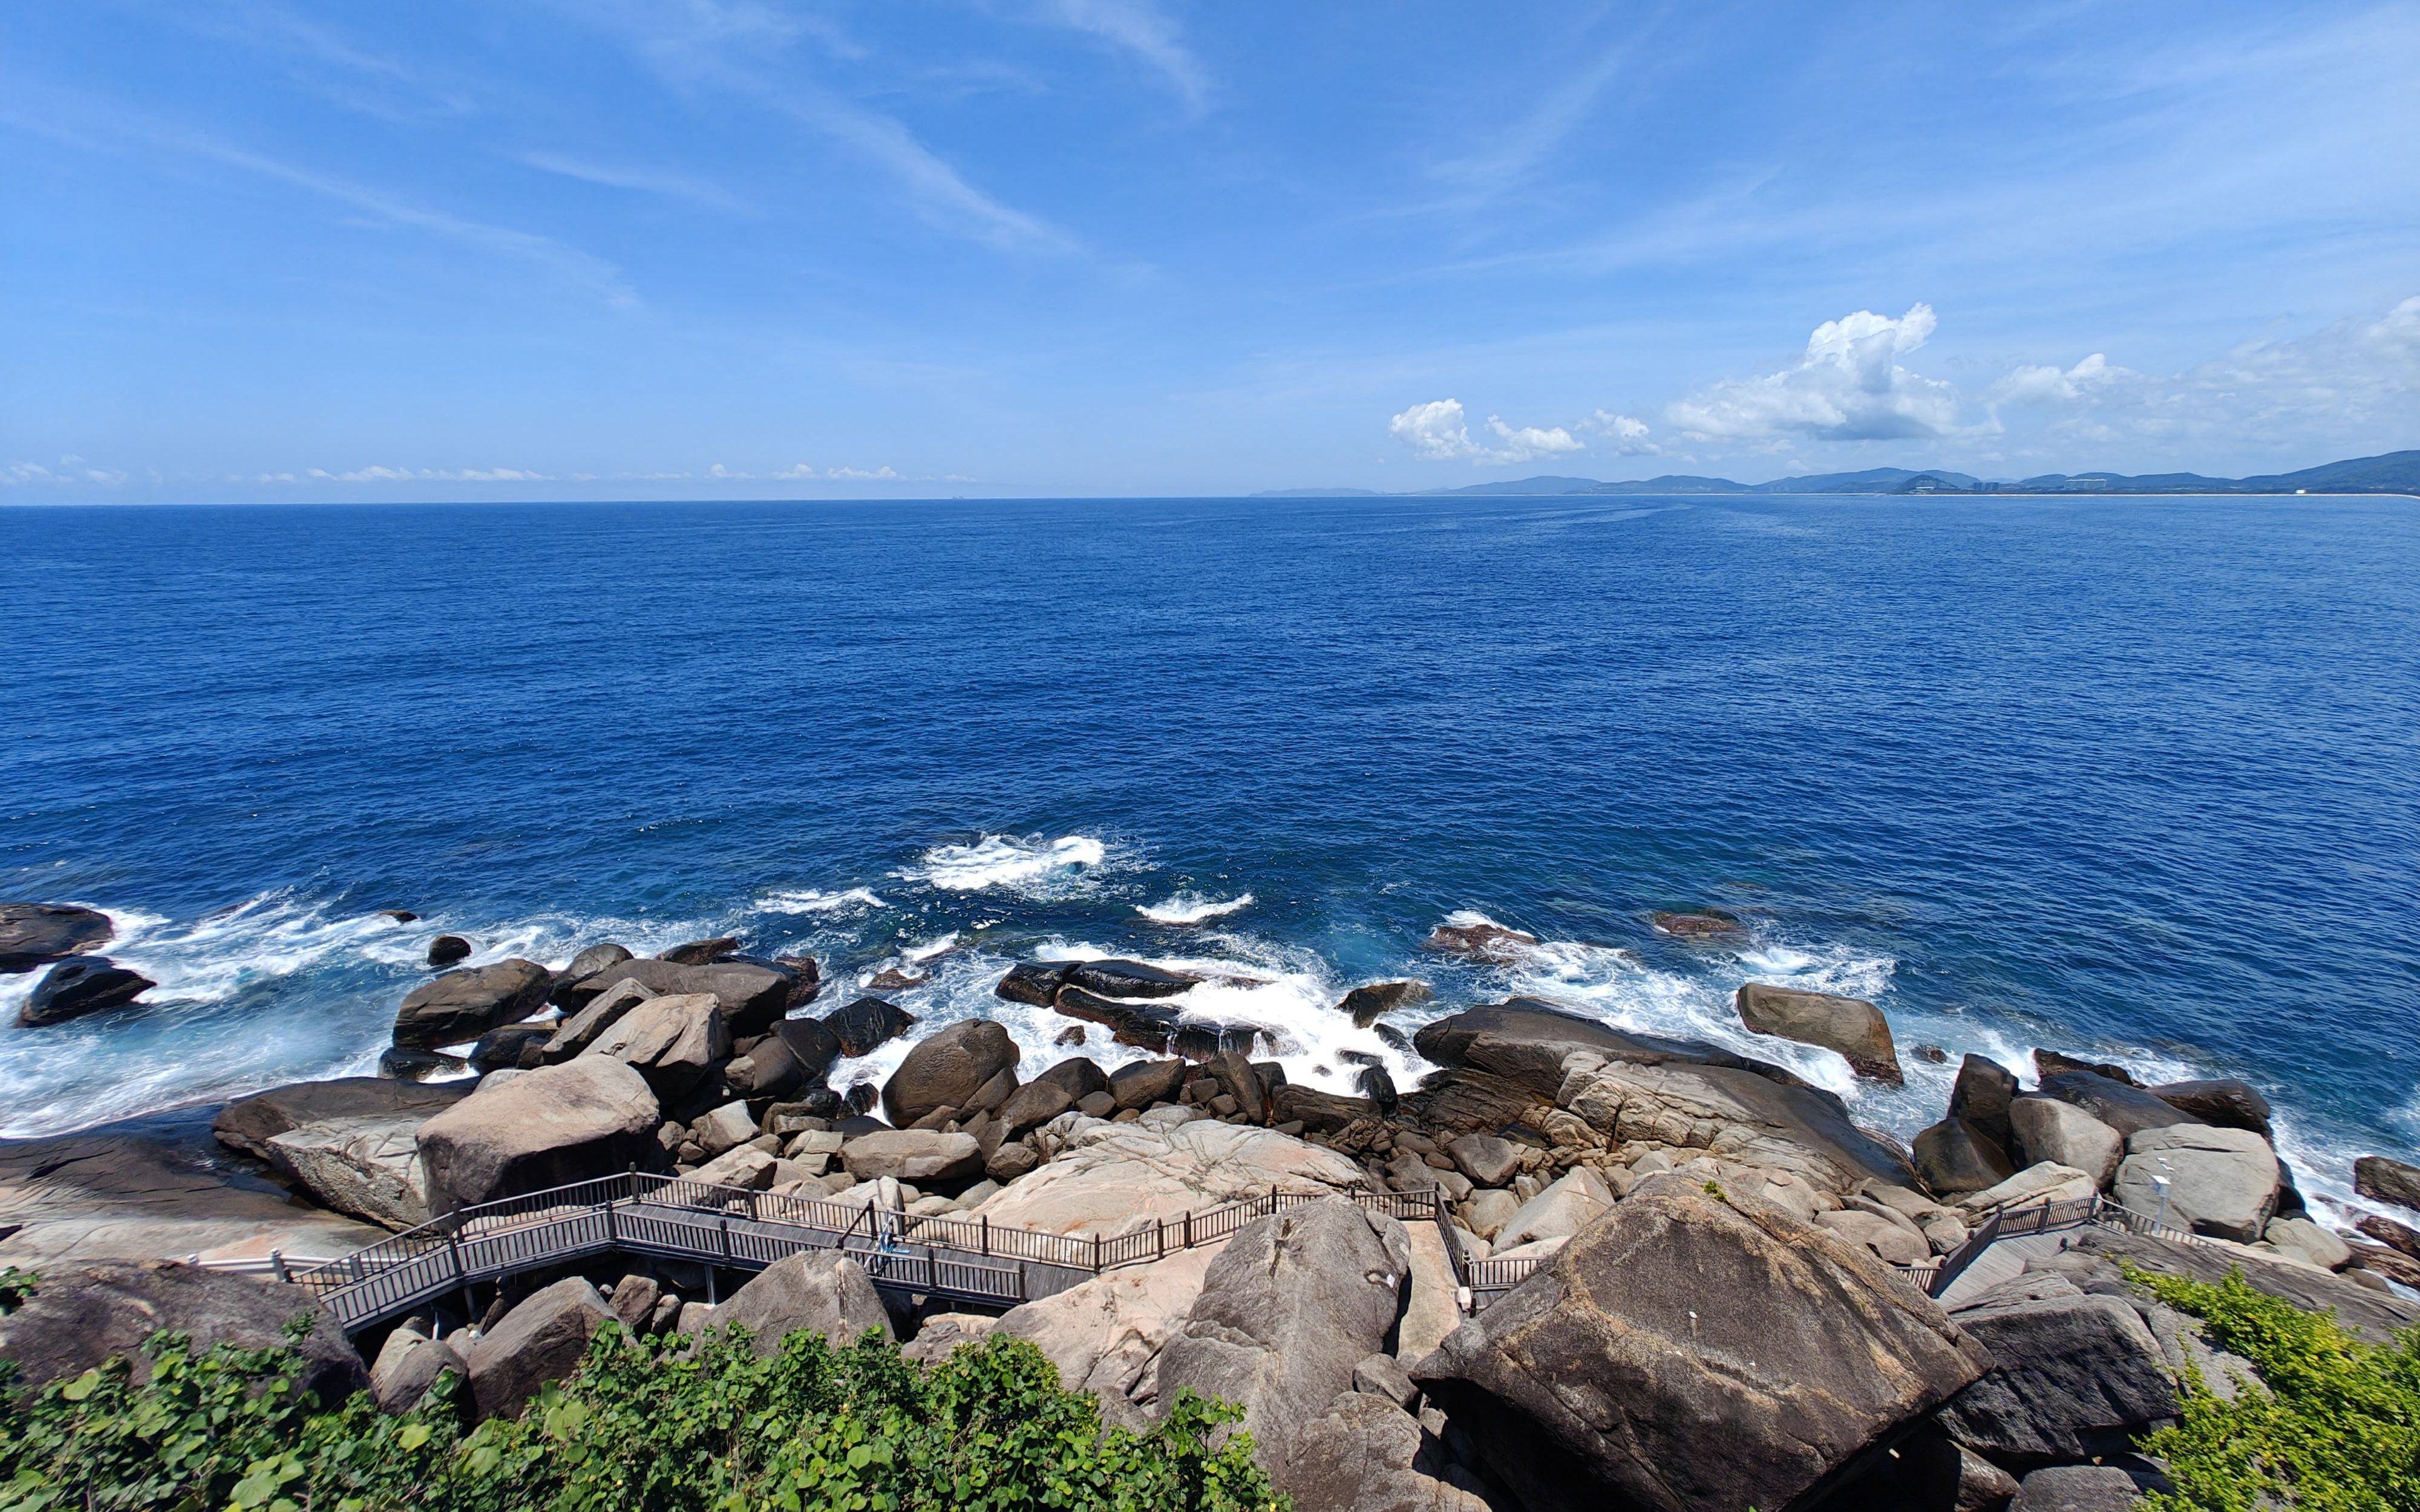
(1096,1253)
(1163,1240)
(1188,1229)
(986,1235)
(722,1225)
(277,1264)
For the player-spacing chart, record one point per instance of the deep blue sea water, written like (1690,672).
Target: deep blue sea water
(2138,776)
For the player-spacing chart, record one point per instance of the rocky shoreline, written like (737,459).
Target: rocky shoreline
(1718,1310)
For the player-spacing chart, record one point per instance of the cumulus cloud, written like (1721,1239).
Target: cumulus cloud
(2050,384)
(1848,386)
(1439,431)
(1626,434)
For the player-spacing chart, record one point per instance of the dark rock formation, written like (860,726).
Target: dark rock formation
(1685,1353)
(2073,1375)
(1035,983)
(514,1046)
(1144,1025)
(1953,1157)
(1853,1028)
(753,996)
(867,1024)
(1695,924)
(82,1315)
(448,949)
(1127,979)
(87,984)
(35,935)
(460,1006)
(1981,1096)
(2222,1101)
(248,1125)
(698,952)
(1483,941)
(2049,1063)
(946,1069)
(2125,1107)
(1364,1004)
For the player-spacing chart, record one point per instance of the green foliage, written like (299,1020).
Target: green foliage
(15,1287)
(674,1425)
(2337,1429)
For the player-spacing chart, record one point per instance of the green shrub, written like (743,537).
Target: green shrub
(661,1425)
(2337,1429)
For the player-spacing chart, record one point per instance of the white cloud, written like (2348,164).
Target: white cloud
(1142,28)
(1849,386)
(645,180)
(1438,431)
(1628,433)
(2048,384)
(857,472)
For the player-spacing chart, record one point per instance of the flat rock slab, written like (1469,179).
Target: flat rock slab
(116,1195)
(249,1123)
(1113,1177)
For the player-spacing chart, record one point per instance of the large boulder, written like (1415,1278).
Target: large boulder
(673,1040)
(1366,1004)
(1732,1114)
(1366,1453)
(1292,1303)
(1107,1178)
(813,1291)
(1981,1096)
(2220,1182)
(544,1337)
(81,1316)
(1139,1084)
(1035,983)
(1687,1354)
(586,1118)
(1850,1026)
(2046,1129)
(87,984)
(2375,1316)
(1127,979)
(1106,1335)
(752,995)
(457,1007)
(1031,1105)
(2073,1374)
(249,1123)
(1954,1157)
(408,1363)
(866,1025)
(1524,1041)
(947,1068)
(575,1031)
(367,1166)
(35,935)
(1573,1202)
(921,1157)
(2227,1102)
(2038,1185)
(2123,1107)
(2382,1180)
(1487,1159)
(2077,1488)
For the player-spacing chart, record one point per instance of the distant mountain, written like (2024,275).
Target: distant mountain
(2393,473)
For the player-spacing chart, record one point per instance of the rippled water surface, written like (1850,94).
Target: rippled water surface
(2134,776)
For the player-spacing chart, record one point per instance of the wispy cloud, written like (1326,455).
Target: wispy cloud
(665,181)
(1144,30)
(96,125)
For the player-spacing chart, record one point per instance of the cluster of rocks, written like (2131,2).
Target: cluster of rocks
(61,937)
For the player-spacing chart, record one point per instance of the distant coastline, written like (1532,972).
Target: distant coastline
(2395,473)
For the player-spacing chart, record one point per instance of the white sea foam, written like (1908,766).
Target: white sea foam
(816,901)
(1192,908)
(1032,867)
(930,949)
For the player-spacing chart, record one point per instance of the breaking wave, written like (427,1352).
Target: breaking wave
(1032,867)
(1192,908)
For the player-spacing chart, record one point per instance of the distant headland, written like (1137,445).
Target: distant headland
(2396,473)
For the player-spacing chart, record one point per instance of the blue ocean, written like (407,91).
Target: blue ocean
(2139,777)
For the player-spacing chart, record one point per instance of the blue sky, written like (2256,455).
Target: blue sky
(261,249)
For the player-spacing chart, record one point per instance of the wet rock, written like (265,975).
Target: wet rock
(675,1042)
(1608,1378)
(2382,1180)
(1035,983)
(248,1125)
(1145,1026)
(946,1069)
(589,1117)
(2222,1101)
(1127,979)
(2073,1375)
(1981,1097)
(922,1157)
(447,949)
(699,952)
(1374,1084)
(2222,1181)
(1851,1026)
(82,1313)
(407,1364)
(1287,1309)
(1932,1053)
(1482,940)
(2124,1107)
(84,984)
(806,978)
(35,935)
(867,1024)
(2047,1129)
(813,1291)
(512,1047)
(460,1006)
(1072,1034)
(2049,1063)
(1364,1004)
(544,1337)
(1695,924)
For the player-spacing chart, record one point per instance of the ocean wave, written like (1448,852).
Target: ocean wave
(816,901)
(1032,867)
(1192,908)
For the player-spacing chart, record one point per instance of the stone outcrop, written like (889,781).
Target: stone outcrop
(543,1338)
(2073,1375)
(85,984)
(674,1042)
(2124,1107)
(1482,940)
(1563,1209)
(753,996)
(1981,1096)
(590,1117)
(866,1025)
(1366,1453)
(946,1069)
(408,1363)
(249,1123)
(2046,1129)
(575,1031)
(447,949)
(1365,1005)
(1107,1178)
(2220,1182)
(924,1157)
(1735,1115)
(368,1166)
(1485,1159)
(106,1195)
(35,935)
(1686,1353)
(457,1007)
(1126,979)
(1292,1303)
(2374,1316)
(1954,1157)
(1522,1041)
(1106,1335)
(814,1291)
(1853,1028)
(2224,1100)
(82,1314)
(2382,1180)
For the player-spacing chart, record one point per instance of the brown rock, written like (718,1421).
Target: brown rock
(1850,1026)
(1364,1004)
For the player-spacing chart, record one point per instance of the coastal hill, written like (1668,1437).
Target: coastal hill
(2393,473)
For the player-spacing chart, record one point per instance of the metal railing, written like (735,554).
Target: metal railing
(969,1258)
